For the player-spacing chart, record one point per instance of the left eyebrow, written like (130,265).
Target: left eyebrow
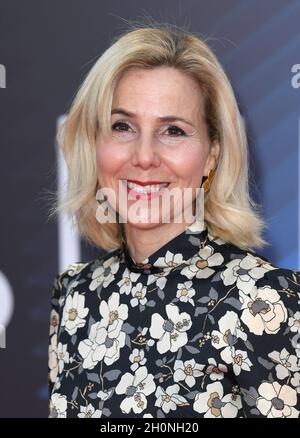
(170,118)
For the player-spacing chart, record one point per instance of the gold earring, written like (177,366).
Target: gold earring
(207,183)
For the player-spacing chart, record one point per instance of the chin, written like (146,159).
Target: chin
(144,225)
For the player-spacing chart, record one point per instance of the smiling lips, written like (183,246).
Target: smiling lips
(146,183)
(145,187)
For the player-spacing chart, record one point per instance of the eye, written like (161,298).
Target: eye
(175,131)
(120,126)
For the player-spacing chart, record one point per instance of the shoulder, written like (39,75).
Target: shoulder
(272,282)
(78,273)
(279,289)
(278,282)
(268,296)
(251,270)
(268,299)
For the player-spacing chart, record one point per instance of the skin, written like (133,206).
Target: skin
(144,148)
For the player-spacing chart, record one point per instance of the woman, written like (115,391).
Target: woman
(181,317)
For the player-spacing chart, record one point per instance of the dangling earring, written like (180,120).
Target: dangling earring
(207,183)
(102,210)
(100,197)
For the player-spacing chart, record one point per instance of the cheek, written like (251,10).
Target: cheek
(107,160)
(189,164)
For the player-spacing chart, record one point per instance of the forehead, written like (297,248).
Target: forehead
(160,90)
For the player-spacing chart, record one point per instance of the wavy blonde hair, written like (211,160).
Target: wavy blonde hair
(230,213)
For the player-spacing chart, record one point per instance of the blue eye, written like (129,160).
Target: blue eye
(177,131)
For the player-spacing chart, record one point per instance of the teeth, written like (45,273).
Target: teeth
(146,189)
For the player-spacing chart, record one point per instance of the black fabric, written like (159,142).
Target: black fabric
(202,328)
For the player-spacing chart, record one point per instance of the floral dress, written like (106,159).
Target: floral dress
(202,328)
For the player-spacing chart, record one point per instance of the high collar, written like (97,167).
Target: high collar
(175,252)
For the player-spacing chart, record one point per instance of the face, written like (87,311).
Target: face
(159,138)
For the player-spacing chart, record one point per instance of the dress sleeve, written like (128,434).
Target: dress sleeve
(266,360)
(55,317)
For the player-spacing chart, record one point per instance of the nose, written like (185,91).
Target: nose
(145,152)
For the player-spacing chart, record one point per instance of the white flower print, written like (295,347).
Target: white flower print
(216,371)
(74,313)
(58,406)
(169,399)
(294,323)
(144,339)
(185,292)
(169,261)
(171,332)
(295,381)
(75,268)
(89,412)
(54,321)
(159,278)
(200,266)
(238,358)
(62,355)
(136,387)
(216,240)
(139,295)
(57,385)
(102,343)
(137,358)
(104,274)
(187,371)
(158,344)
(277,401)
(229,332)
(105,395)
(105,338)
(263,310)
(113,313)
(286,363)
(128,279)
(245,272)
(215,404)
(52,359)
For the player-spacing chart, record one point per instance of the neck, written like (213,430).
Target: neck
(142,243)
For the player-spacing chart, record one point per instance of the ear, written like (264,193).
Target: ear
(212,157)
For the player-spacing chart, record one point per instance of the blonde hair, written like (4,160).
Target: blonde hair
(230,213)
